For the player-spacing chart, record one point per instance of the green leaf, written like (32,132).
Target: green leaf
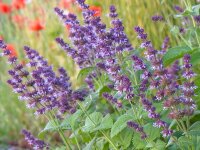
(89,146)
(84,72)
(104,89)
(124,138)
(175,53)
(159,145)
(196,9)
(195,129)
(92,122)
(195,58)
(51,126)
(106,123)
(152,132)
(72,119)
(138,143)
(184,14)
(185,142)
(61,148)
(120,124)
(174,30)
(101,144)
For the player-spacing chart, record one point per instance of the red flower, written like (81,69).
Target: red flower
(68,27)
(1,37)
(12,49)
(18,4)
(66,3)
(5,8)
(97,10)
(36,25)
(19,20)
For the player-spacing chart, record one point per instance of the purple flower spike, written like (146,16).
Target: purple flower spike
(82,4)
(167,132)
(113,13)
(112,100)
(178,8)
(137,128)
(157,18)
(34,142)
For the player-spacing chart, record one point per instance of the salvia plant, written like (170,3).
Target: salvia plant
(134,98)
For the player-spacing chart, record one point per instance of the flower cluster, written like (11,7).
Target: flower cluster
(38,84)
(93,45)
(36,143)
(92,41)
(137,128)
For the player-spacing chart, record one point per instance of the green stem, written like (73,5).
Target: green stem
(60,132)
(104,134)
(179,125)
(77,143)
(183,125)
(188,122)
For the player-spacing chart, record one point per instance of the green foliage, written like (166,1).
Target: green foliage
(175,53)
(97,126)
(84,72)
(194,129)
(92,121)
(120,124)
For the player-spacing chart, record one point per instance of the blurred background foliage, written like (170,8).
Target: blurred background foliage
(36,25)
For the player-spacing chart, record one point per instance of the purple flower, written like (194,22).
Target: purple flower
(138,63)
(178,8)
(112,100)
(157,18)
(137,128)
(166,132)
(187,72)
(113,13)
(197,19)
(82,4)
(38,85)
(165,45)
(34,142)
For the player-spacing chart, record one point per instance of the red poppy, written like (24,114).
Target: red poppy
(1,37)
(66,3)
(18,19)
(36,25)
(12,49)
(5,8)
(97,10)
(18,4)
(23,62)
(68,27)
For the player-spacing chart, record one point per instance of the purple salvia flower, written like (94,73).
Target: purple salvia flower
(157,18)
(138,63)
(112,100)
(165,45)
(187,72)
(40,87)
(79,94)
(72,52)
(137,128)
(178,8)
(34,142)
(82,4)
(113,13)
(197,19)
(124,85)
(119,37)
